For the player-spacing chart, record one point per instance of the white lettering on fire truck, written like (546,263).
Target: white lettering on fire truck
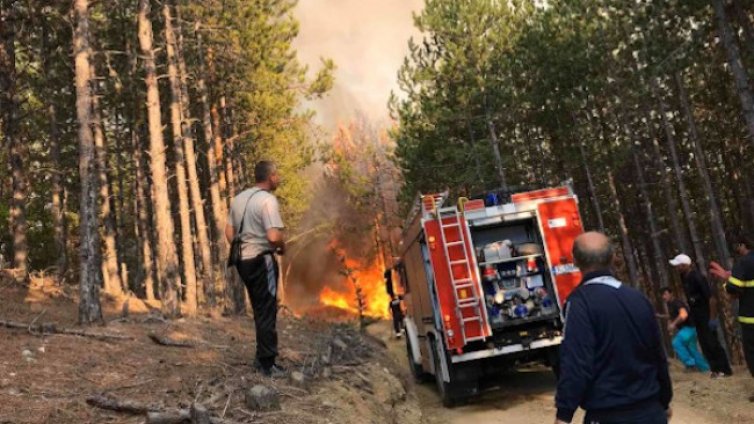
(556,222)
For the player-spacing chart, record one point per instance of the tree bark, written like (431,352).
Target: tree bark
(679,236)
(229,156)
(628,250)
(111,277)
(592,191)
(219,163)
(167,263)
(143,224)
(197,203)
(740,76)
(18,152)
(654,232)
(682,191)
(472,146)
(187,243)
(89,304)
(716,220)
(745,22)
(495,146)
(57,209)
(219,213)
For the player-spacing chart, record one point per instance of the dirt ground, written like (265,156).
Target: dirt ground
(350,378)
(48,379)
(527,396)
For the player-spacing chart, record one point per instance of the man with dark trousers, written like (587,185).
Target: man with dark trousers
(703,311)
(739,283)
(255,215)
(612,360)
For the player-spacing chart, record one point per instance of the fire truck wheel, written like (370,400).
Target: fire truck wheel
(444,388)
(417,371)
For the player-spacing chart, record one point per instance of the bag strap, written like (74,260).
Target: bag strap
(246,206)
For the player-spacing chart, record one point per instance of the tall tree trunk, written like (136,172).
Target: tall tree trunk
(683,193)
(679,236)
(89,304)
(716,220)
(187,243)
(654,233)
(230,151)
(592,191)
(111,277)
(18,152)
(143,224)
(472,147)
(628,250)
(219,163)
(167,263)
(219,213)
(740,76)
(197,203)
(745,22)
(57,209)
(495,146)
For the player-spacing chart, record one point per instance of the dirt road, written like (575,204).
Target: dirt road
(527,397)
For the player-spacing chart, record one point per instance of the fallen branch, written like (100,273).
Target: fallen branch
(112,404)
(167,341)
(50,328)
(155,415)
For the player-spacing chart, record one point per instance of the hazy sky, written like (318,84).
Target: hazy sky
(367,39)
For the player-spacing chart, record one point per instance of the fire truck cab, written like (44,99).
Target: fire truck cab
(484,283)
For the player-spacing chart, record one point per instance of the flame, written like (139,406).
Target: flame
(368,276)
(330,297)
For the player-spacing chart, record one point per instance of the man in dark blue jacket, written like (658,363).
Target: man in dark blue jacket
(612,361)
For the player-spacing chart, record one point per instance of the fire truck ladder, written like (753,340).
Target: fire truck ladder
(466,282)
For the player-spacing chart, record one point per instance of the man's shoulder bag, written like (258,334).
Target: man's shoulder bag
(234,257)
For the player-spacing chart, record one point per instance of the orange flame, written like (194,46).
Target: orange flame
(369,278)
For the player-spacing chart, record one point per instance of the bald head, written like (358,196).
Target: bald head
(592,251)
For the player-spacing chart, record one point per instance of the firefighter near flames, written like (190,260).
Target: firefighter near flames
(484,283)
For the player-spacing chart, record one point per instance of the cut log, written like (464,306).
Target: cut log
(196,415)
(112,404)
(169,417)
(51,328)
(180,416)
(199,414)
(167,341)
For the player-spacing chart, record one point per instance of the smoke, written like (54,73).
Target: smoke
(367,40)
(312,263)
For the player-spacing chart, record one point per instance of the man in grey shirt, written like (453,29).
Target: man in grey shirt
(255,215)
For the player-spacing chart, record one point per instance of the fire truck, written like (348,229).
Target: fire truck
(484,285)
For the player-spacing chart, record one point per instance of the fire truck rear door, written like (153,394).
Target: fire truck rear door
(560,223)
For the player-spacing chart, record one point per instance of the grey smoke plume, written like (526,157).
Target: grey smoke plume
(368,40)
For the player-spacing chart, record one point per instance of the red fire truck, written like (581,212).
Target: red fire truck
(485,283)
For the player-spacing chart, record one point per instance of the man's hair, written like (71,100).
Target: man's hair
(666,290)
(742,239)
(263,170)
(593,259)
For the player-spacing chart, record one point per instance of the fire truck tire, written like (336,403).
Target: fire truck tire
(417,371)
(447,391)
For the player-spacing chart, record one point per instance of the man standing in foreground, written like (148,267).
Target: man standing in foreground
(739,283)
(612,361)
(255,215)
(703,310)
